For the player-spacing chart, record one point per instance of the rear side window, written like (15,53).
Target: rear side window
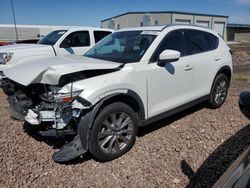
(197,42)
(99,35)
(173,41)
(213,41)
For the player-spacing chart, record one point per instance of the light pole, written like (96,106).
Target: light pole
(14,17)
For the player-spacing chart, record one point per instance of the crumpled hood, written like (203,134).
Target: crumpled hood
(49,70)
(23,47)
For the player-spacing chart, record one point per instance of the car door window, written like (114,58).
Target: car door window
(99,35)
(197,42)
(173,41)
(77,39)
(213,41)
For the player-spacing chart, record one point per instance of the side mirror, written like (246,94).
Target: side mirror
(65,43)
(168,56)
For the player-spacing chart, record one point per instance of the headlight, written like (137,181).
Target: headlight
(5,57)
(67,97)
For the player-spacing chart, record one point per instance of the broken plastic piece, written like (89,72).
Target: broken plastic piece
(69,151)
(31,118)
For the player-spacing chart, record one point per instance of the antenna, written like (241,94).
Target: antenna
(14,17)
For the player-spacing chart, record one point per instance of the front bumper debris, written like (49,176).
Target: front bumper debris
(32,118)
(59,120)
(69,151)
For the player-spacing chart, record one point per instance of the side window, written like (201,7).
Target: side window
(213,40)
(99,35)
(173,41)
(197,42)
(76,39)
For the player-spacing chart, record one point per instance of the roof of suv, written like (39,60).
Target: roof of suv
(162,27)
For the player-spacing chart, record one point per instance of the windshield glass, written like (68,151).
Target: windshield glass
(52,37)
(123,47)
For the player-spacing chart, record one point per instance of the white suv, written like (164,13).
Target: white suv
(131,78)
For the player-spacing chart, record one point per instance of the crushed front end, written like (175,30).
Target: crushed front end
(56,112)
(62,112)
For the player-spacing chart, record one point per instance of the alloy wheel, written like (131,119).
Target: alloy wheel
(115,132)
(220,92)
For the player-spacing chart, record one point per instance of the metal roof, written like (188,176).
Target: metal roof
(165,12)
(238,25)
(33,26)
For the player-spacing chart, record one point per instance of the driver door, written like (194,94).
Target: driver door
(169,86)
(77,43)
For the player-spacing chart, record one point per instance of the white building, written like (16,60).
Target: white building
(7,31)
(137,19)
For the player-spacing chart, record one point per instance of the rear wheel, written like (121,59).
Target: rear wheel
(219,91)
(114,132)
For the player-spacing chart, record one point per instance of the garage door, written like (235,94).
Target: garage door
(219,27)
(182,21)
(203,23)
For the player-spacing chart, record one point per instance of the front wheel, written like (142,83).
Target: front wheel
(219,91)
(114,132)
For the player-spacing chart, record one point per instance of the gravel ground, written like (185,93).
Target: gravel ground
(190,149)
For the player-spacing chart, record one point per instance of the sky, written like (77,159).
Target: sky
(90,13)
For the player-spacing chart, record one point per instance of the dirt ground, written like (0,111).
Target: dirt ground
(190,149)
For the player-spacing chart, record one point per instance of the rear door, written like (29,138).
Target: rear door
(169,86)
(201,50)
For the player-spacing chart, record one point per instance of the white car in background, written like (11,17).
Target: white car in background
(131,78)
(60,42)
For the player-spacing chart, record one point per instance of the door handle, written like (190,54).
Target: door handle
(188,68)
(216,59)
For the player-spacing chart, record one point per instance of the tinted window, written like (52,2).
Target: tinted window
(173,41)
(99,35)
(77,39)
(213,40)
(197,42)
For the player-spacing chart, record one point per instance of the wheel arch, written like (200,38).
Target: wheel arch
(226,70)
(130,98)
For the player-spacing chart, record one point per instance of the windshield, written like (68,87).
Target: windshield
(123,47)
(52,37)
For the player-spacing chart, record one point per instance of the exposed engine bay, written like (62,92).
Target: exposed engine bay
(43,97)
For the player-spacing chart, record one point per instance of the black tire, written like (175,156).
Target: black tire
(219,91)
(120,141)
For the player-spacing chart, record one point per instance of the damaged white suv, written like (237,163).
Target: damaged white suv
(131,78)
